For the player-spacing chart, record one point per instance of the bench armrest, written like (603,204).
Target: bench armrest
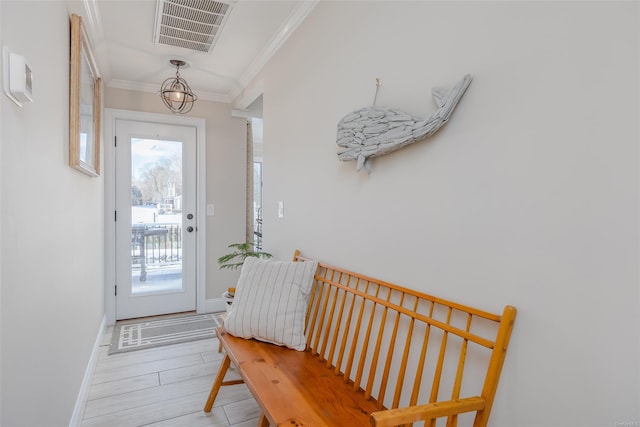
(410,414)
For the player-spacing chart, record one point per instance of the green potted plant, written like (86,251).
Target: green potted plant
(240,252)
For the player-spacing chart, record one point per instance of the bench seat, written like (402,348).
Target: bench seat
(295,387)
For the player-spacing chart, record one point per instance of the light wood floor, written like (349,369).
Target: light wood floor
(164,386)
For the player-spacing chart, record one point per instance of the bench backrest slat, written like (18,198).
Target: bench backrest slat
(365,345)
(390,342)
(420,369)
(405,358)
(387,365)
(437,376)
(343,343)
(376,351)
(356,334)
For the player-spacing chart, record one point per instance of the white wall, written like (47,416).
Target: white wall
(226,176)
(1,110)
(528,196)
(52,232)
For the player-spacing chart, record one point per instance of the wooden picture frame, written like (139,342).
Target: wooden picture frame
(84,103)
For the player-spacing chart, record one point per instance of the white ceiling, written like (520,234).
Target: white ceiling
(122,38)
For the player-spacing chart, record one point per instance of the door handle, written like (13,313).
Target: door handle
(190,229)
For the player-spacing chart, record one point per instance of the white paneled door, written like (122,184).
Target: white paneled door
(155,185)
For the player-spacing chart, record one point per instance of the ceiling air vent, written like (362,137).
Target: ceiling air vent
(190,24)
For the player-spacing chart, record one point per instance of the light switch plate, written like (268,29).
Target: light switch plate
(280,209)
(210,210)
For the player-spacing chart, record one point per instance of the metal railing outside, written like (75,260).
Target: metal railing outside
(155,245)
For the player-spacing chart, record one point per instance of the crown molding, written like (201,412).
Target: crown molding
(247,96)
(152,88)
(293,21)
(93,24)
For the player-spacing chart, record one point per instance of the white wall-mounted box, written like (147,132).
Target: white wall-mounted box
(18,77)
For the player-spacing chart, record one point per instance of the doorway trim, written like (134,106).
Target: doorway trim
(111,115)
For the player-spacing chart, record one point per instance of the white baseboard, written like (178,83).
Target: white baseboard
(78,410)
(215,305)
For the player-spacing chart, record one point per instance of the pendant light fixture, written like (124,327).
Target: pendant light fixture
(176,93)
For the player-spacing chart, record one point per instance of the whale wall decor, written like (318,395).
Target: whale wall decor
(373,131)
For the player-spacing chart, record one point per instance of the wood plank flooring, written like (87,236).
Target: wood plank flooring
(164,387)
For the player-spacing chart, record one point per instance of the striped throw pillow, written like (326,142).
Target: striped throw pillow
(271,302)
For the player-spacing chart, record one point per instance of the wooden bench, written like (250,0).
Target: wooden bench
(377,354)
